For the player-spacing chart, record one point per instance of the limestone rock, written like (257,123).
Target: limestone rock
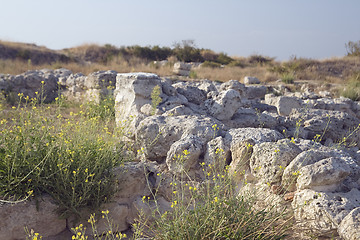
(258,135)
(269,160)
(350,225)
(217,153)
(224,105)
(184,154)
(255,92)
(44,220)
(284,105)
(326,173)
(157,133)
(334,125)
(239,167)
(322,212)
(192,94)
(233,84)
(251,80)
(101,79)
(250,117)
(307,157)
(182,69)
(133,90)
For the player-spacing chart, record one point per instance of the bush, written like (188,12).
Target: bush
(288,78)
(352,88)
(259,59)
(211,64)
(69,158)
(224,59)
(187,52)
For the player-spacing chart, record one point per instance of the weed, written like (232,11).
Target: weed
(288,78)
(352,88)
(69,158)
(209,210)
(155,99)
(193,75)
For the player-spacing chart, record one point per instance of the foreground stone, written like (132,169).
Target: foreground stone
(42,219)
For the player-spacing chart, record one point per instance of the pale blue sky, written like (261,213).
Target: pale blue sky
(277,28)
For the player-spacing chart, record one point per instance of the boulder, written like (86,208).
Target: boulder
(326,174)
(233,84)
(40,216)
(251,80)
(192,94)
(285,105)
(217,154)
(258,135)
(326,124)
(239,167)
(133,90)
(156,134)
(250,117)
(255,92)
(350,225)
(225,105)
(182,69)
(184,154)
(269,159)
(323,212)
(101,80)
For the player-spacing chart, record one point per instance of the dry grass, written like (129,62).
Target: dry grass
(18,67)
(89,58)
(20,45)
(232,73)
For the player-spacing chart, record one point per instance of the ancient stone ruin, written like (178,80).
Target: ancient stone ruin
(305,133)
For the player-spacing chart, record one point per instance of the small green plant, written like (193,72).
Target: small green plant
(193,75)
(288,78)
(352,88)
(155,99)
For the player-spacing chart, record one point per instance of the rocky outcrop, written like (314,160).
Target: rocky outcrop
(299,151)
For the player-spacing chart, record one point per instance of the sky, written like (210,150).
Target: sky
(314,29)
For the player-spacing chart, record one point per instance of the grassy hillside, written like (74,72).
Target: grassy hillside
(16,58)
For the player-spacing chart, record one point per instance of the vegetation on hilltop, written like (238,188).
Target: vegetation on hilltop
(16,58)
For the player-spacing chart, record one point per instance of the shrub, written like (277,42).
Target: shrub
(259,59)
(224,59)
(187,52)
(352,88)
(69,158)
(288,78)
(211,64)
